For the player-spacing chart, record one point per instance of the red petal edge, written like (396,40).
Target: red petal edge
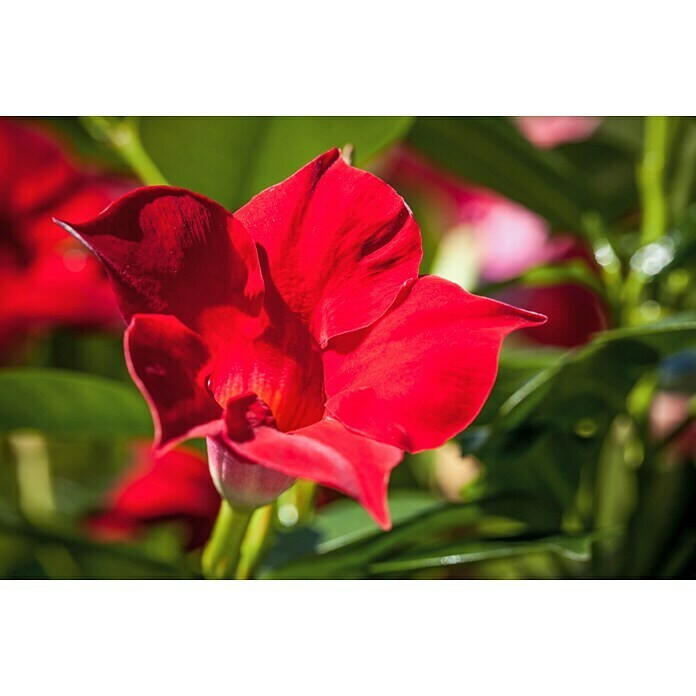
(338,239)
(170,364)
(162,245)
(422,373)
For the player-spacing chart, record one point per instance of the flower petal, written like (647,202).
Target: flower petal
(170,364)
(337,239)
(329,454)
(422,373)
(171,251)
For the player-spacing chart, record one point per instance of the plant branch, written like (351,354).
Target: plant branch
(123,137)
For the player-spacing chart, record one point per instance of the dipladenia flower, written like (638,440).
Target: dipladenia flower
(46,279)
(174,487)
(296,335)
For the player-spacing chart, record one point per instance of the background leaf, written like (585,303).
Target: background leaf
(231,159)
(71,404)
(491,152)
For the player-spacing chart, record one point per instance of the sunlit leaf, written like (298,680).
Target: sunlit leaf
(71,404)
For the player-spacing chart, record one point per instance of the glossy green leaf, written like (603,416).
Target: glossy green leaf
(345,521)
(516,368)
(347,555)
(574,548)
(232,158)
(71,404)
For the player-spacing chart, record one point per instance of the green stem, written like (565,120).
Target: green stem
(223,552)
(651,179)
(654,217)
(256,542)
(122,135)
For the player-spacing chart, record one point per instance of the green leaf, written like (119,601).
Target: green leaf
(576,272)
(345,522)
(553,427)
(516,367)
(71,404)
(607,164)
(87,558)
(574,548)
(347,555)
(232,158)
(666,336)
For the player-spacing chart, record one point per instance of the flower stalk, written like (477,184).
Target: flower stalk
(654,219)
(651,179)
(123,137)
(256,541)
(222,555)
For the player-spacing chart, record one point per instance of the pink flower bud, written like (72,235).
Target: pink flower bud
(243,484)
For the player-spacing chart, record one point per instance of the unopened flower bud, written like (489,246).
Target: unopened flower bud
(242,483)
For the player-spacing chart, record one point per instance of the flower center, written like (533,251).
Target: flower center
(284,371)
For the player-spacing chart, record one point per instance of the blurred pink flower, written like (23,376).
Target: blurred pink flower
(509,240)
(549,131)
(667,412)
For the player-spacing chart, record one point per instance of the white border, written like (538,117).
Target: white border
(361,57)
(347,637)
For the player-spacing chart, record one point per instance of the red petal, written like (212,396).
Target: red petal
(170,364)
(174,486)
(341,244)
(422,373)
(170,251)
(329,454)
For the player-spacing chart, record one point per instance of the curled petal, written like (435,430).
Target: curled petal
(337,238)
(170,364)
(422,373)
(171,251)
(329,454)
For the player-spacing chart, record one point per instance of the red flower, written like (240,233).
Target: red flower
(45,279)
(173,487)
(296,335)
